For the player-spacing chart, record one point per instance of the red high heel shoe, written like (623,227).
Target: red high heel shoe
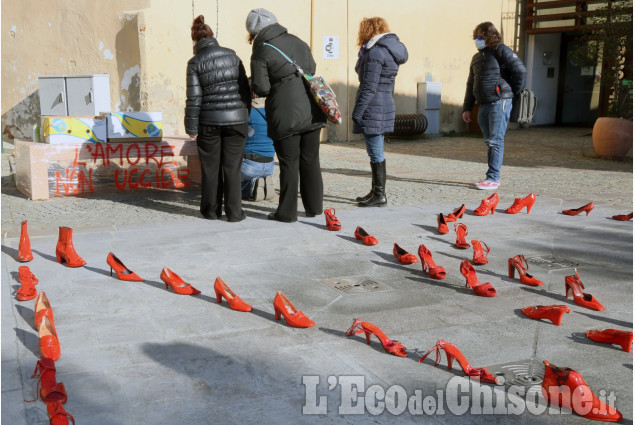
(573,285)
(480,254)
(49,342)
(456,214)
(43,308)
(471,281)
(461,232)
(332,223)
(293,317)
(428,265)
(488,204)
(442,224)
(177,284)
(577,397)
(553,313)
(586,208)
(28,281)
(520,203)
(622,217)
(519,263)
(391,346)
(452,352)
(123,272)
(57,414)
(361,234)
(65,251)
(24,249)
(222,291)
(404,256)
(47,386)
(612,336)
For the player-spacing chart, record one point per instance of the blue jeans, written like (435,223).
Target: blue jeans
(493,119)
(252,171)
(375,147)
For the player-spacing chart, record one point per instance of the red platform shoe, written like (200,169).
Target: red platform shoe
(235,303)
(488,204)
(391,346)
(520,203)
(452,352)
(519,263)
(471,281)
(573,285)
(586,208)
(24,249)
(553,313)
(428,265)
(404,256)
(612,336)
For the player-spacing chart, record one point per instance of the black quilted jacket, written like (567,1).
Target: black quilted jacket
(495,73)
(217,87)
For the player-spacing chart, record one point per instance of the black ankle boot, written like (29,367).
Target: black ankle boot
(378,198)
(367,197)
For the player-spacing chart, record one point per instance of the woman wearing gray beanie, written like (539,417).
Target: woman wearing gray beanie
(294,119)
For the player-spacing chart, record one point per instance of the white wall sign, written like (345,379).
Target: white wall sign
(331,47)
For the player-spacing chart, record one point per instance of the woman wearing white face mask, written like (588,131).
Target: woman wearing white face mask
(496,75)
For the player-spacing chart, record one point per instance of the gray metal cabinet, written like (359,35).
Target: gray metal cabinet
(74,95)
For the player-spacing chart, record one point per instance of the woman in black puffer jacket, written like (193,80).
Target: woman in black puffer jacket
(294,119)
(380,55)
(216,116)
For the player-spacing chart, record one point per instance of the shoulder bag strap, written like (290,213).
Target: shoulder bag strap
(287,58)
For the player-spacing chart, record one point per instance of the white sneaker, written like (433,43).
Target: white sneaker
(487,185)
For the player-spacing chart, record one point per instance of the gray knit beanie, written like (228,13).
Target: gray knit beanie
(259,19)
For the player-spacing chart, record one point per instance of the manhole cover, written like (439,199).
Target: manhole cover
(523,373)
(355,284)
(552,262)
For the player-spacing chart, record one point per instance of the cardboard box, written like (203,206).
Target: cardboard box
(135,125)
(65,130)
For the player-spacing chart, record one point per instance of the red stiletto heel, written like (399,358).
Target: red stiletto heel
(520,263)
(233,300)
(622,217)
(49,342)
(332,223)
(488,204)
(579,398)
(480,254)
(612,336)
(452,352)
(456,214)
(428,265)
(65,251)
(471,281)
(553,313)
(293,317)
(123,272)
(461,232)
(404,256)
(57,414)
(177,284)
(442,224)
(520,203)
(573,285)
(24,249)
(47,386)
(586,208)
(43,308)
(391,346)
(361,234)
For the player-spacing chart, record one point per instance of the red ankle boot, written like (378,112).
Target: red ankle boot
(65,251)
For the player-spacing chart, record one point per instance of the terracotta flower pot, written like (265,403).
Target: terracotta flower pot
(612,137)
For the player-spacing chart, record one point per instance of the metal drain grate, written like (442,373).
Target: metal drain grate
(355,284)
(523,373)
(552,262)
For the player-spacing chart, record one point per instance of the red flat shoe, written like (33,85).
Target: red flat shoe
(26,277)
(47,386)
(49,343)
(57,414)
(578,397)
(391,346)
(520,203)
(361,234)
(488,204)
(471,281)
(293,317)
(43,308)
(65,251)
(123,272)
(553,313)
(586,208)
(332,223)
(456,214)
(24,249)
(461,232)
(452,352)
(520,263)
(428,264)
(222,291)
(574,286)
(442,224)
(28,281)
(177,284)
(404,256)
(612,336)
(622,217)
(480,254)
